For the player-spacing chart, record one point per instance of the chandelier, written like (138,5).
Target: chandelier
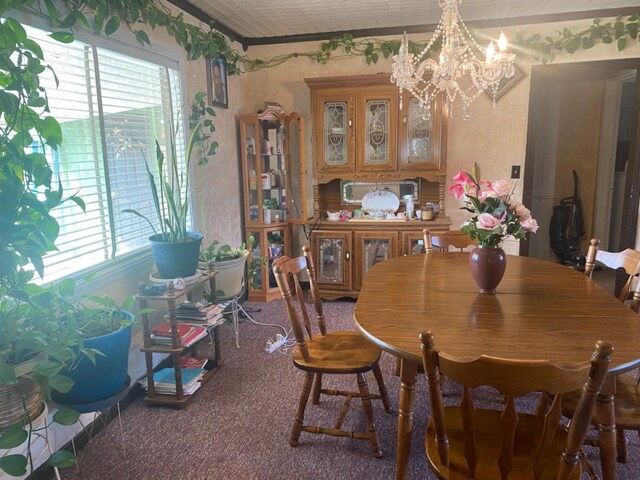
(461,70)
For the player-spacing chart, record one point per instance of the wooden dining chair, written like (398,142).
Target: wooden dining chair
(340,352)
(465,441)
(441,241)
(627,260)
(627,391)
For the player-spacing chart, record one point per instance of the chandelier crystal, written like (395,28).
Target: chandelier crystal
(464,68)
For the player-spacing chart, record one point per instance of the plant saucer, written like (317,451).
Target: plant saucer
(155,278)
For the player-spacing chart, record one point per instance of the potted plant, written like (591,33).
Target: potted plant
(100,362)
(230,263)
(175,248)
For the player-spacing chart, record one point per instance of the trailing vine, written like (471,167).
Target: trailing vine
(540,48)
(107,16)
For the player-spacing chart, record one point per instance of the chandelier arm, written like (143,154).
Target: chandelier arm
(460,58)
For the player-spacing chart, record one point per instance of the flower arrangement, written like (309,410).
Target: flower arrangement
(496,216)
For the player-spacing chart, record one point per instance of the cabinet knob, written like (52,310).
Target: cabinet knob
(347,255)
(350,123)
(404,119)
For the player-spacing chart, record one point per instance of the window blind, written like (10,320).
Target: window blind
(111,108)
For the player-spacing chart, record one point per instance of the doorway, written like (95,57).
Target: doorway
(583,118)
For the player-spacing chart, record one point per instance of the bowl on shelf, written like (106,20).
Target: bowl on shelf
(333,215)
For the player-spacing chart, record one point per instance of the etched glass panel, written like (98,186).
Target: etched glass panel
(377,133)
(331,265)
(419,132)
(417,246)
(335,145)
(375,251)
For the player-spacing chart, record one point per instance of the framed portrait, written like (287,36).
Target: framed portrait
(217,82)
(507,84)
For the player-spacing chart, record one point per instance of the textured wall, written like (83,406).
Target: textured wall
(496,138)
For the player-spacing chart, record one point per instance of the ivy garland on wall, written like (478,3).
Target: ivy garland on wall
(539,48)
(108,16)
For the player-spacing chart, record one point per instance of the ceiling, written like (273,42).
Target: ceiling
(276,21)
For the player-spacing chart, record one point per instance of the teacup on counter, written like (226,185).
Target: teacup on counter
(333,215)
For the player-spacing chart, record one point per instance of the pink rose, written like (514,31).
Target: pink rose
(486,221)
(530,225)
(522,212)
(501,187)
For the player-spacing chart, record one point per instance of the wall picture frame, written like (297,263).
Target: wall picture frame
(506,84)
(217,82)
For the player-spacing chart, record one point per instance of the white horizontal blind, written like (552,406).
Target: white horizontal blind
(111,108)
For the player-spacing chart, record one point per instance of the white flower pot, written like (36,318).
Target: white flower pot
(229,277)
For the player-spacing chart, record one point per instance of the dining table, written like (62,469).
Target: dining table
(540,311)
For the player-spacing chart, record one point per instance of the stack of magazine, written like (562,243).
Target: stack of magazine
(198,314)
(188,334)
(165,381)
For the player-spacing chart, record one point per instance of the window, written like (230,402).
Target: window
(111,108)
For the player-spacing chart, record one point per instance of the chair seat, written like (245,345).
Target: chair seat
(489,441)
(627,403)
(338,352)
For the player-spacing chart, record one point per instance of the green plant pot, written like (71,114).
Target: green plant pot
(176,259)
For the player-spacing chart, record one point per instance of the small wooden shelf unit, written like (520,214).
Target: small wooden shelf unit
(170,297)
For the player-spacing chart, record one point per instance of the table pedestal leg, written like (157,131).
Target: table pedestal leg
(405,416)
(605,412)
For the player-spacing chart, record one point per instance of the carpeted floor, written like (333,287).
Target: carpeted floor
(237,426)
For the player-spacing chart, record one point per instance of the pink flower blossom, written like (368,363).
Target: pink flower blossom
(456,190)
(522,212)
(487,193)
(530,225)
(462,178)
(501,187)
(486,221)
(462,183)
(471,190)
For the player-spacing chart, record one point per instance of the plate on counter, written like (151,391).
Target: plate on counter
(379,202)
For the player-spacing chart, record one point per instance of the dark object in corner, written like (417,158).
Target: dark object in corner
(566,227)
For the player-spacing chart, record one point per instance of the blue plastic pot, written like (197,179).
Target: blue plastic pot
(104,379)
(176,259)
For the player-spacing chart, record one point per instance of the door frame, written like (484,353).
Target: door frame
(542,76)
(609,127)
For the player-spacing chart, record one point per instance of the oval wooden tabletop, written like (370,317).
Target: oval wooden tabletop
(541,311)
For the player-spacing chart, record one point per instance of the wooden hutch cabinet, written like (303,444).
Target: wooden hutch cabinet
(363,140)
(273,172)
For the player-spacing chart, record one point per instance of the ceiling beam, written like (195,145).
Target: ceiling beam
(204,17)
(246,42)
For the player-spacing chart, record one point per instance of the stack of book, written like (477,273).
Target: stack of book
(196,314)
(188,334)
(165,381)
